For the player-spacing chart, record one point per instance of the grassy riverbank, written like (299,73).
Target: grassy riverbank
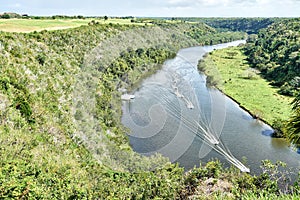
(229,71)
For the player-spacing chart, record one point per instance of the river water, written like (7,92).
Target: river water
(174,113)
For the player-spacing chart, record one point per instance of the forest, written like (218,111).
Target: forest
(48,148)
(248,25)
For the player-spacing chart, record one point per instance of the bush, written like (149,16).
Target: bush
(279,128)
(23,106)
(5,16)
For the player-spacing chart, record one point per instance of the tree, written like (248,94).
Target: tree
(105,18)
(5,16)
(296,102)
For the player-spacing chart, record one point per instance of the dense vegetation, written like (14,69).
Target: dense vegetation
(248,25)
(275,52)
(293,126)
(10,15)
(37,152)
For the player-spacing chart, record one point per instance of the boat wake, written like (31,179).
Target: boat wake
(202,128)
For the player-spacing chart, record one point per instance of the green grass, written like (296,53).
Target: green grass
(118,21)
(237,80)
(29,25)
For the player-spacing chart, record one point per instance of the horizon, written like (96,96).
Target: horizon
(156,8)
(129,16)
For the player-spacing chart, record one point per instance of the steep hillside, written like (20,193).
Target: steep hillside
(60,130)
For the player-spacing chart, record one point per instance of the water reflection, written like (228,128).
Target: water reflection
(279,143)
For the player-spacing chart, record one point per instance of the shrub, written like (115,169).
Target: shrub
(23,106)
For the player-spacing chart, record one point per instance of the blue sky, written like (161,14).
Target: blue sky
(170,8)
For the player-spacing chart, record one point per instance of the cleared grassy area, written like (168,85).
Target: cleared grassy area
(29,25)
(118,21)
(235,78)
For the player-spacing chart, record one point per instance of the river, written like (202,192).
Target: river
(174,113)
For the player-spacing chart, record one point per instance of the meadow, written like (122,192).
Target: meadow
(30,25)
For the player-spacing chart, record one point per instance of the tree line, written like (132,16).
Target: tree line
(248,25)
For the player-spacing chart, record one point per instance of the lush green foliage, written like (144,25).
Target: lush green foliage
(293,126)
(212,181)
(10,15)
(38,156)
(248,25)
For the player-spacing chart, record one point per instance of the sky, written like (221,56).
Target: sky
(155,8)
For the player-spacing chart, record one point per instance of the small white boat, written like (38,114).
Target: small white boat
(178,94)
(245,169)
(213,140)
(190,105)
(127,97)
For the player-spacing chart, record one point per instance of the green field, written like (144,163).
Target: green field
(234,77)
(29,25)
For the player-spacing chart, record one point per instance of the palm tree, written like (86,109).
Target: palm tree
(293,126)
(296,102)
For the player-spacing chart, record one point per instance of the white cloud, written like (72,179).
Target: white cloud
(263,2)
(180,3)
(214,2)
(211,3)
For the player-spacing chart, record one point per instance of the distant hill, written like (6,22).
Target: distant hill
(248,25)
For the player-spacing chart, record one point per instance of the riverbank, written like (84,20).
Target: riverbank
(228,70)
